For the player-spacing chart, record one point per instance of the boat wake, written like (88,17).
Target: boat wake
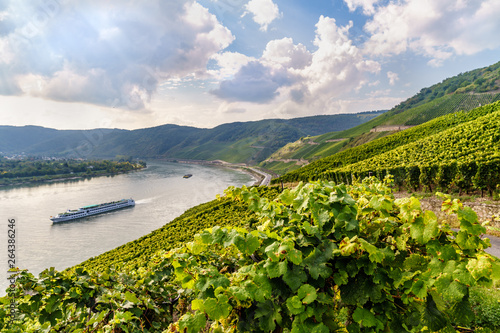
(144,201)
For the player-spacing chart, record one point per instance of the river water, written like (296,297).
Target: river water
(160,193)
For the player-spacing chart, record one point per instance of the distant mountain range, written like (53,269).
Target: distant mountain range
(248,142)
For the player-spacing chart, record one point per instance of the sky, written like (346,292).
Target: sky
(86,64)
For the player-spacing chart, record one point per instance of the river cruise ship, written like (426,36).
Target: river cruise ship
(91,210)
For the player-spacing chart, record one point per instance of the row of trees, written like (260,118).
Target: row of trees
(40,168)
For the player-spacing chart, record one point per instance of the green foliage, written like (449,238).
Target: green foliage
(486,306)
(384,260)
(323,258)
(32,170)
(441,106)
(462,155)
(59,301)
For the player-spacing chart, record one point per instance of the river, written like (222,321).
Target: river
(160,192)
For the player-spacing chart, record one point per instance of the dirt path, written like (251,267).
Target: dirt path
(495,246)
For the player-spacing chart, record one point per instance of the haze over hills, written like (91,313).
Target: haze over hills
(463,92)
(248,142)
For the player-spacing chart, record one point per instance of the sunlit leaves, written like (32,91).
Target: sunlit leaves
(246,244)
(294,305)
(307,293)
(217,308)
(192,323)
(480,267)
(318,250)
(131,297)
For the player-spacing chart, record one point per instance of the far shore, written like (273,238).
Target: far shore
(63,179)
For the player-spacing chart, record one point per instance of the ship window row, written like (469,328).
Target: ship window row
(95,209)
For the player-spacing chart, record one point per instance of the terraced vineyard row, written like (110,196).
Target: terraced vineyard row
(450,104)
(466,156)
(371,149)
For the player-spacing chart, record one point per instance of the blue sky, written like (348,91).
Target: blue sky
(134,64)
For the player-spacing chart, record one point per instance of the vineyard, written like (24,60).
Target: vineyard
(451,143)
(419,114)
(222,212)
(465,157)
(318,258)
(443,106)
(337,253)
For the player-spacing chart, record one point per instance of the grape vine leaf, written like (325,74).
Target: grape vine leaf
(432,317)
(307,293)
(246,244)
(480,267)
(192,323)
(294,305)
(365,318)
(295,277)
(217,308)
(131,297)
(268,316)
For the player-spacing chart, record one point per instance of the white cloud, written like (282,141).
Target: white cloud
(337,65)
(284,53)
(264,12)
(255,83)
(293,80)
(6,53)
(366,5)
(393,77)
(377,93)
(230,107)
(108,53)
(228,64)
(434,28)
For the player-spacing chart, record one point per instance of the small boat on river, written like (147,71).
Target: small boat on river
(187,176)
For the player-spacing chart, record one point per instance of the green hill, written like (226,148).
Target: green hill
(248,142)
(458,151)
(463,92)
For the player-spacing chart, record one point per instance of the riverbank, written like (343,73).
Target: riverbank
(63,178)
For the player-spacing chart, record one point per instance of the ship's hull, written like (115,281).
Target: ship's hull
(92,210)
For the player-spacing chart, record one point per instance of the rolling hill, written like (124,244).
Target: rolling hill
(456,151)
(463,92)
(244,142)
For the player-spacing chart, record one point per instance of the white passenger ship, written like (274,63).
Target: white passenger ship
(91,210)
